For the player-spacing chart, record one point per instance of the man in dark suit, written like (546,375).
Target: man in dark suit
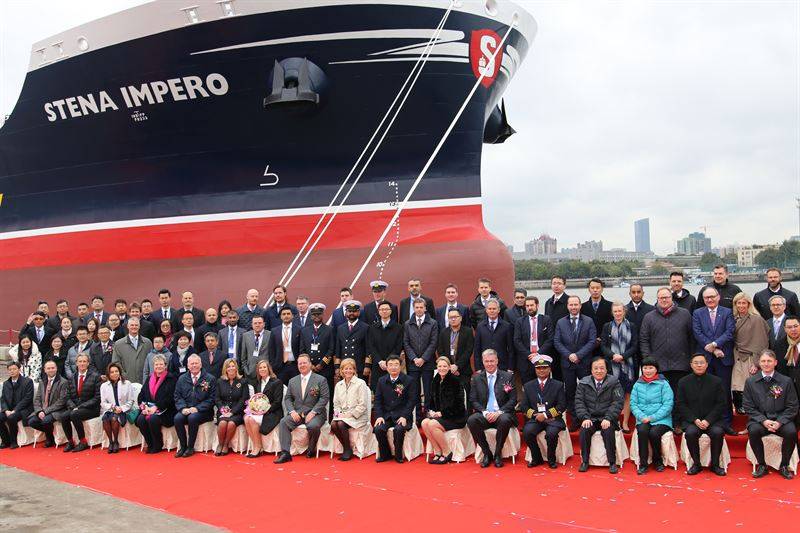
(396,397)
(83,403)
(556,306)
(415,293)
(496,334)
(337,317)
(101,353)
(722,285)
(598,404)
(49,403)
(351,341)
(492,397)
(770,400)
(16,404)
(574,343)
(187,299)
(713,327)
(230,337)
(533,335)
(451,302)
(776,320)
(249,309)
(36,330)
(477,311)
(516,311)
(774,287)
(188,325)
(598,309)
(457,343)
(420,334)
(212,358)
(272,313)
(637,307)
(370,314)
(255,348)
(98,309)
(195,394)
(118,331)
(384,338)
(319,342)
(62,311)
(165,311)
(284,346)
(543,404)
(146,328)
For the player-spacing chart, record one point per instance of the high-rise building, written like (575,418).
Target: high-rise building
(641,231)
(543,245)
(695,244)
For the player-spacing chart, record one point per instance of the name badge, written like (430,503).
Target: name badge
(452,352)
(314,346)
(540,408)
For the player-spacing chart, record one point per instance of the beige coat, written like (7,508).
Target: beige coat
(751,336)
(350,402)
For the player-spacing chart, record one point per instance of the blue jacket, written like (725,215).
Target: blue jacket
(201,396)
(652,400)
(721,332)
(581,344)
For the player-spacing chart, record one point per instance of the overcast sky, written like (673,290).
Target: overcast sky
(684,112)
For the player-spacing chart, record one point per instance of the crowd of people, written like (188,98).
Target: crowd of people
(683,365)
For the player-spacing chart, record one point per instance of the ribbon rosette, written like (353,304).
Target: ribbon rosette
(258,404)
(399,389)
(776,391)
(508,387)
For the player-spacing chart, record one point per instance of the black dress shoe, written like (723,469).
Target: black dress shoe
(552,464)
(718,470)
(613,468)
(486,460)
(383,459)
(760,471)
(659,466)
(189,452)
(283,457)
(346,456)
(534,462)
(49,444)
(180,452)
(783,471)
(399,458)
(694,470)
(68,448)
(3,446)
(498,461)
(642,470)
(311,453)
(584,467)
(110,449)
(14,446)
(80,447)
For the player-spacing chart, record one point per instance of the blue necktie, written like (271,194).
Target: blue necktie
(490,405)
(231,335)
(595,305)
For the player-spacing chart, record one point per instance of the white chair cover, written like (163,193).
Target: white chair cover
(129,435)
(563,447)
(412,443)
(510,448)
(206,437)
(597,451)
(361,439)
(705,453)
(772,453)
(27,435)
(669,451)
(460,443)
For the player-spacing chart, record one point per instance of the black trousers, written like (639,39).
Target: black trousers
(8,427)
(608,435)
(478,424)
(75,418)
(193,421)
(717,435)
(650,435)
(424,372)
(571,377)
(673,377)
(787,431)
(381,432)
(45,425)
(151,431)
(529,432)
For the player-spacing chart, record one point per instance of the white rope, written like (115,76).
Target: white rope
(414,73)
(433,155)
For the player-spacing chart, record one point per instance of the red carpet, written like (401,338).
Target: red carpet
(323,495)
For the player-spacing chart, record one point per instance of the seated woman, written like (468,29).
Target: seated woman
(651,403)
(57,354)
(446,410)
(258,423)
(232,396)
(156,404)
(349,406)
(116,399)
(27,355)
(620,346)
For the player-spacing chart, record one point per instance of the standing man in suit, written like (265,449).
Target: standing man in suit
(533,335)
(419,342)
(16,404)
(477,311)
(598,404)
(36,330)
(451,302)
(146,309)
(102,352)
(302,318)
(384,338)
(121,310)
(492,396)
(255,347)
(212,358)
(146,328)
(351,341)
(62,311)
(370,314)
(496,334)
(188,325)
(598,309)
(272,313)
(713,327)
(82,345)
(774,287)
(249,309)
(165,310)
(457,343)
(83,313)
(771,402)
(187,300)
(284,346)
(131,352)
(195,394)
(725,289)
(776,320)
(307,397)
(556,306)
(396,398)
(50,403)
(637,307)
(337,317)
(543,404)
(414,294)
(516,311)
(83,403)
(98,309)
(681,296)
(230,337)
(319,342)
(574,343)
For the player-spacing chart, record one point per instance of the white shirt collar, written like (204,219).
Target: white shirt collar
(778,319)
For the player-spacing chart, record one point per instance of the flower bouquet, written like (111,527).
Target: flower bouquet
(258,404)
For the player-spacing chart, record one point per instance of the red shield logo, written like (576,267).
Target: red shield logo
(482,57)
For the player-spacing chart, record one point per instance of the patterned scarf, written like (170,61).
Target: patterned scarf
(620,340)
(791,353)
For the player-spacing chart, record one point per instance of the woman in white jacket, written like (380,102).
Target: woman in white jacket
(349,406)
(27,354)
(116,399)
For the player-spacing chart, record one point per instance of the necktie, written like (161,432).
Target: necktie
(595,305)
(231,337)
(105,346)
(286,344)
(541,386)
(534,333)
(98,316)
(450,308)
(303,383)
(47,392)
(574,321)
(490,405)
(713,317)
(492,324)
(419,322)
(350,325)
(166,314)
(194,381)
(302,321)
(597,385)
(80,384)
(776,326)
(210,358)
(258,340)
(134,342)
(40,334)
(767,379)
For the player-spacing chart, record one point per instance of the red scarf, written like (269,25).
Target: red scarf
(649,380)
(155,383)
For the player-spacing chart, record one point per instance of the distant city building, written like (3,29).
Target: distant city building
(730,249)
(746,255)
(695,244)
(641,233)
(543,245)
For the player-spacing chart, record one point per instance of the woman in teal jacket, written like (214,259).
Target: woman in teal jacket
(651,404)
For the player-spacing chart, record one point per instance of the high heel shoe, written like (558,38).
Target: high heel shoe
(446,459)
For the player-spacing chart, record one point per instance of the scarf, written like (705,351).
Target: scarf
(649,380)
(620,340)
(791,353)
(155,383)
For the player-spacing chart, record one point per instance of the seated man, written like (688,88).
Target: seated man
(307,396)
(16,403)
(598,404)
(396,397)
(543,404)
(49,403)
(492,396)
(700,402)
(771,402)
(195,393)
(83,403)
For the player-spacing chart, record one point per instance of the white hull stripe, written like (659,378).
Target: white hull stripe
(222,217)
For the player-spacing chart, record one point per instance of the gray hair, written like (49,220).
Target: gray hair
(492,301)
(488,351)
(777,297)
(159,357)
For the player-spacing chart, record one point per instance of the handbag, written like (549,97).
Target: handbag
(133,414)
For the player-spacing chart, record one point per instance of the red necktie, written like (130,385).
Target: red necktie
(210,358)
(80,384)
(351,327)
(541,386)
(534,333)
